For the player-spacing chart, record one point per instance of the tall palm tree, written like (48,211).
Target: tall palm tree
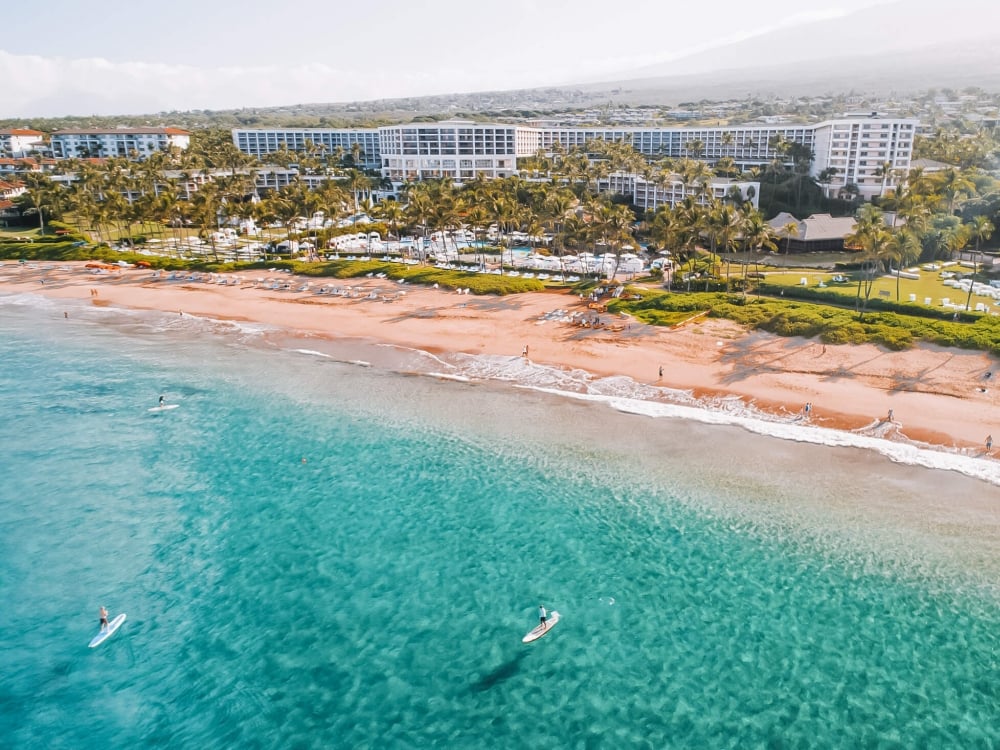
(723,228)
(883,171)
(904,247)
(391,212)
(953,184)
(40,196)
(789,230)
(695,148)
(419,209)
(872,236)
(357,183)
(757,235)
(980,228)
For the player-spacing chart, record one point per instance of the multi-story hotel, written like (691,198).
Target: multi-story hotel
(130,143)
(322,141)
(866,151)
(650,194)
(18,142)
(457,149)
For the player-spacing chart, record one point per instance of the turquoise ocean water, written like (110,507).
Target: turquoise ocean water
(314,553)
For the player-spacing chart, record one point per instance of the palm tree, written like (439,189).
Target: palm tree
(758,235)
(953,184)
(477,218)
(884,171)
(419,208)
(357,182)
(789,230)
(666,228)
(904,247)
(40,196)
(614,222)
(727,141)
(872,236)
(206,206)
(980,228)
(695,149)
(723,228)
(391,212)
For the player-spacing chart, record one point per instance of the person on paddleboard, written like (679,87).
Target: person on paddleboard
(104,618)
(542,615)
(162,401)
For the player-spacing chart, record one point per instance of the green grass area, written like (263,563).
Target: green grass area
(930,285)
(21,244)
(832,325)
(11,233)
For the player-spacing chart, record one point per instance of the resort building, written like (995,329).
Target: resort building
(18,142)
(128,143)
(10,214)
(864,151)
(868,152)
(11,190)
(819,232)
(650,194)
(323,142)
(12,167)
(456,149)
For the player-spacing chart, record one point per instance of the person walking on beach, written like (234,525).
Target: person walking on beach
(808,408)
(524,352)
(542,615)
(104,618)
(661,371)
(889,417)
(989,443)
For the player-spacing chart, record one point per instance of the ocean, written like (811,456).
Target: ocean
(341,544)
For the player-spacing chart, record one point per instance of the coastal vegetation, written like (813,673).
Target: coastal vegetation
(832,325)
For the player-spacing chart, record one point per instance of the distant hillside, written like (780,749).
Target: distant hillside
(898,73)
(901,72)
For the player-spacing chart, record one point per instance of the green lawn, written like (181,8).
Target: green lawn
(930,285)
(9,233)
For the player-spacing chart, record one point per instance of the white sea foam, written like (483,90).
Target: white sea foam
(628,396)
(449,376)
(796,430)
(27,299)
(312,353)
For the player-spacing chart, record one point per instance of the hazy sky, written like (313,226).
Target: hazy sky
(117,57)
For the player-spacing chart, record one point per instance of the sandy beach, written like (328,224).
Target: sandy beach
(939,396)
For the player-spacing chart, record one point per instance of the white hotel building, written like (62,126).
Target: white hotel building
(18,142)
(325,141)
(856,146)
(650,194)
(128,143)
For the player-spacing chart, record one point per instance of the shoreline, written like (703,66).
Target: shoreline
(940,397)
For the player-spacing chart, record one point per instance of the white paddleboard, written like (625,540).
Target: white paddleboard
(165,407)
(541,630)
(109,631)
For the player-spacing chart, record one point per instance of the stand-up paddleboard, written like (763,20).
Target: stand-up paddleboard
(541,630)
(109,631)
(165,407)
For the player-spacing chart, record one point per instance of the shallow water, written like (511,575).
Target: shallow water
(314,553)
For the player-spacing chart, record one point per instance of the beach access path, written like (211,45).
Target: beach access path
(938,395)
